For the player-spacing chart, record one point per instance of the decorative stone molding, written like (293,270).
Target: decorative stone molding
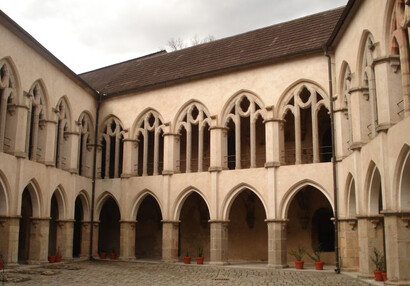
(404,216)
(352,222)
(272,165)
(215,169)
(356,146)
(375,220)
(283,222)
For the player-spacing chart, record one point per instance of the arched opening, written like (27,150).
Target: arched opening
(109,230)
(62,129)
(112,149)
(25,225)
(148,230)
(84,146)
(247,227)
(352,200)
(231,159)
(289,136)
(78,218)
(325,135)
(52,235)
(194,229)
(310,224)
(405,186)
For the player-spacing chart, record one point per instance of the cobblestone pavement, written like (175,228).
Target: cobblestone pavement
(136,273)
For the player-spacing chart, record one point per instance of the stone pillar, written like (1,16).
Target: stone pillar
(72,152)
(127,240)
(370,234)
(359,117)
(219,242)
(96,227)
(85,239)
(219,148)
(50,142)
(39,231)
(277,253)
(171,153)
(16,129)
(273,145)
(170,241)
(129,156)
(9,237)
(397,229)
(348,244)
(65,232)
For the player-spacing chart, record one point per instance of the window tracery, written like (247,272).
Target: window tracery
(63,127)
(36,118)
(85,145)
(112,148)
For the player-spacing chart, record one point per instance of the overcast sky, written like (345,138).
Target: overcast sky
(89,34)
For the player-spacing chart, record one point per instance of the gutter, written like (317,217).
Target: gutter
(90,253)
(334,163)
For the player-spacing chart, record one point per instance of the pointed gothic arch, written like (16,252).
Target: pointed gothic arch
(85,144)
(4,197)
(63,130)
(346,125)
(351,197)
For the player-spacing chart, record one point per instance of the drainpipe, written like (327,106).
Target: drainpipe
(334,164)
(90,253)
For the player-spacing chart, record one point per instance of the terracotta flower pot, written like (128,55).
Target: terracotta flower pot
(51,258)
(378,275)
(384,275)
(299,264)
(187,259)
(112,255)
(319,265)
(58,258)
(103,255)
(1,264)
(199,260)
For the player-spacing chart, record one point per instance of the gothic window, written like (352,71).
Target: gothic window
(193,127)
(85,145)
(7,104)
(246,133)
(35,127)
(62,129)
(346,122)
(150,142)
(306,130)
(369,87)
(400,22)
(112,148)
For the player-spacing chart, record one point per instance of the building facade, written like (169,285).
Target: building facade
(249,146)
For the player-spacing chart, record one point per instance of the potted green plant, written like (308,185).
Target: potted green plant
(58,255)
(298,254)
(199,257)
(187,258)
(112,254)
(315,256)
(103,254)
(378,260)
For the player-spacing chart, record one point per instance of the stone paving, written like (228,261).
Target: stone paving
(137,273)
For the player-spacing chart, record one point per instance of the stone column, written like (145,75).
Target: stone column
(370,235)
(85,239)
(127,240)
(130,153)
(17,130)
(39,231)
(9,237)
(219,242)
(50,142)
(397,228)
(273,145)
(219,148)
(277,253)
(348,244)
(72,152)
(65,232)
(170,240)
(359,117)
(96,227)
(171,153)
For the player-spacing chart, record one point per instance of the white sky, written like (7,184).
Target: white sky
(89,34)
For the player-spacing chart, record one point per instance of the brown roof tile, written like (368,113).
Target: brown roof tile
(258,46)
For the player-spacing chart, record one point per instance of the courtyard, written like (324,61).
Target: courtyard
(148,273)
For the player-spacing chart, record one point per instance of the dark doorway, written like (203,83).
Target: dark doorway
(78,218)
(109,230)
(52,235)
(24,233)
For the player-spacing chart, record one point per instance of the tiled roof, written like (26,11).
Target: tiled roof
(260,46)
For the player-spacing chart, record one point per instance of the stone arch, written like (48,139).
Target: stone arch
(374,191)
(306,133)
(111,137)
(4,197)
(192,124)
(15,76)
(148,131)
(36,198)
(138,200)
(60,194)
(351,197)
(63,129)
(179,202)
(233,193)
(345,106)
(9,98)
(109,215)
(101,200)
(85,141)
(290,194)
(401,183)
(38,113)
(243,115)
